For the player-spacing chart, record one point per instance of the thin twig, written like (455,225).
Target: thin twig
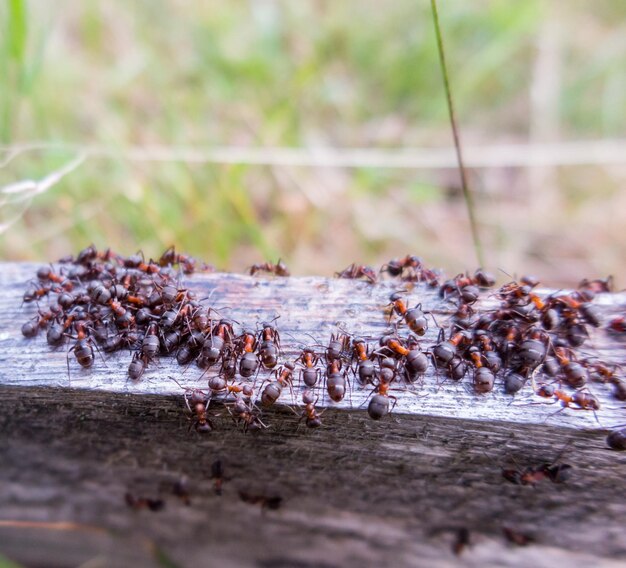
(576,153)
(22,192)
(467,194)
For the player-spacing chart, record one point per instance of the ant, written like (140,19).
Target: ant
(284,378)
(597,286)
(46,273)
(313,419)
(187,263)
(310,373)
(366,369)
(37,292)
(411,269)
(605,374)
(269,347)
(31,328)
(516,537)
(584,400)
(200,420)
(83,348)
(445,350)
(355,271)
(514,382)
(278,269)
(219,385)
(533,349)
(149,350)
(137,503)
(335,381)
(558,473)
(217,475)
(617,325)
(215,344)
(392,346)
(483,375)
(137,366)
(489,350)
(200,402)
(616,440)
(246,345)
(271,502)
(589,311)
(467,287)
(338,347)
(576,375)
(379,404)
(414,317)
(242,411)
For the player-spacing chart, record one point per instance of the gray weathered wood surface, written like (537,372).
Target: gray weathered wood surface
(355,492)
(309,309)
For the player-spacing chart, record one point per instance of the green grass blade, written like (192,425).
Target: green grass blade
(467,194)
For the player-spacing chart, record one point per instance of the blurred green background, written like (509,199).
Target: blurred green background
(111,77)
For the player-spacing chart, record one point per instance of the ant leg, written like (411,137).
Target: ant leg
(395,401)
(186,397)
(67,359)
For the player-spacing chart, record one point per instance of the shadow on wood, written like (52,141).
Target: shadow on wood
(354,493)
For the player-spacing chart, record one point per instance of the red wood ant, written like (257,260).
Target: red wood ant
(83,348)
(335,381)
(393,346)
(217,475)
(186,262)
(246,346)
(588,311)
(445,350)
(243,412)
(366,368)
(483,375)
(584,400)
(273,390)
(415,362)
(414,317)
(269,346)
(310,373)
(617,325)
(616,440)
(516,537)
(338,347)
(278,269)
(200,401)
(271,502)
(379,403)
(597,286)
(219,385)
(605,374)
(557,473)
(31,328)
(411,269)
(575,374)
(355,271)
(313,419)
(137,503)
(215,344)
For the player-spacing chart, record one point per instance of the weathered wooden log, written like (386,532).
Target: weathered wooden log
(356,492)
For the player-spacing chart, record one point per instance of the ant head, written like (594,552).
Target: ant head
(265,325)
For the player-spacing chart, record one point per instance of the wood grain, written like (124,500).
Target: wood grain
(354,493)
(309,310)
